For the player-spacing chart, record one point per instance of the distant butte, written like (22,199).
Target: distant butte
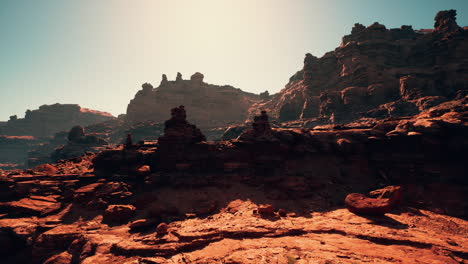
(210,105)
(50,119)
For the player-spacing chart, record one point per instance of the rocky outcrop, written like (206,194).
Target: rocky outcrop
(78,143)
(175,145)
(261,129)
(210,105)
(50,119)
(445,22)
(373,68)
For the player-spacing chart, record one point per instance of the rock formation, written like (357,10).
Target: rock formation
(78,143)
(261,129)
(174,146)
(209,105)
(50,119)
(445,22)
(377,73)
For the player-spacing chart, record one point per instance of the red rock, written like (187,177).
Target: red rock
(46,168)
(30,206)
(393,193)
(58,238)
(141,224)
(162,229)
(266,210)
(62,258)
(119,213)
(360,204)
(282,212)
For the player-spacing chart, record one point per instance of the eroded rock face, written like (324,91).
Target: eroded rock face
(375,66)
(209,105)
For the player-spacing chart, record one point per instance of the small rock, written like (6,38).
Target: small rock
(282,212)
(161,229)
(266,209)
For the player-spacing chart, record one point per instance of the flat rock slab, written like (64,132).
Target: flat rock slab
(31,206)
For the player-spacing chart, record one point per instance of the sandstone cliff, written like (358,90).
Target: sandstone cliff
(378,72)
(209,105)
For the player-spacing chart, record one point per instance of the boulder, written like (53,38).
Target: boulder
(266,210)
(385,199)
(361,204)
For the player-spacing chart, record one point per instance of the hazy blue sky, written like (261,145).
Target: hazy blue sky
(98,53)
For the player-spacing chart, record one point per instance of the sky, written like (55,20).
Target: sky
(98,53)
